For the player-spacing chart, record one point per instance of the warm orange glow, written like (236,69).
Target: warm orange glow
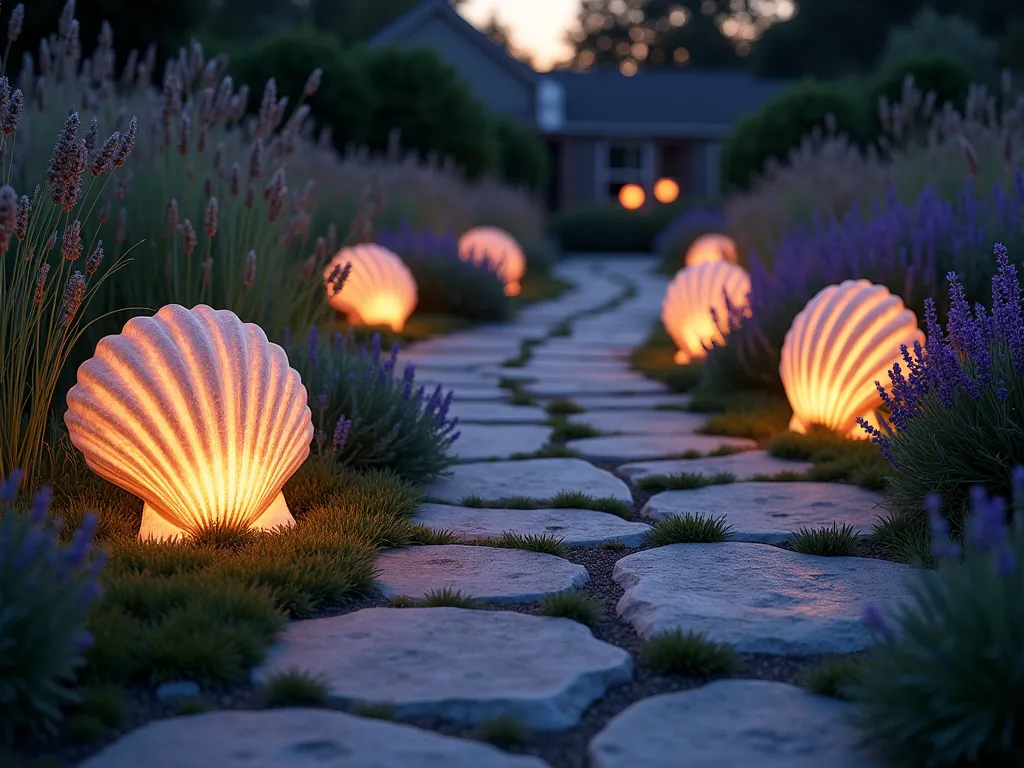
(380,290)
(498,248)
(666,191)
(844,340)
(711,248)
(689,300)
(632,196)
(198,414)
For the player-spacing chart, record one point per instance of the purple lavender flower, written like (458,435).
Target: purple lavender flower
(9,488)
(314,343)
(341,431)
(407,380)
(321,401)
(877,623)
(943,546)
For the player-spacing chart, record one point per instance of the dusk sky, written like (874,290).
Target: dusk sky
(536,26)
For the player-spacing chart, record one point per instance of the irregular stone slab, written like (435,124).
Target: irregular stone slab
(771,512)
(576,527)
(490,574)
(454,379)
(450,361)
(497,413)
(563,352)
(538,479)
(477,393)
(733,724)
(478,442)
(760,598)
(552,367)
(638,447)
(745,465)
(462,664)
(297,738)
(642,422)
(631,402)
(568,387)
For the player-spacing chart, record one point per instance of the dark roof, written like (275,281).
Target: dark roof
(692,101)
(402,28)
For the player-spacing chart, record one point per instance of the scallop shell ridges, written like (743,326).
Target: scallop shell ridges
(499,249)
(380,290)
(689,299)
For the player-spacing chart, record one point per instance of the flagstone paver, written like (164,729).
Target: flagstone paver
(631,402)
(733,724)
(296,738)
(575,527)
(642,422)
(770,512)
(490,574)
(593,384)
(465,665)
(745,465)
(496,413)
(487,441)
(538,479)
(637,447)
(760,598)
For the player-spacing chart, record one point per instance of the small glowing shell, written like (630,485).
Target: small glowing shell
(198,414)
(689,300)
(380,290)
(711,248)
(845,339)
(500,250)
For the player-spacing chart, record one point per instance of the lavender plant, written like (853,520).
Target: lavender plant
(944,684)
(45,591)
(956,404)
(446,284)
(45,290)
(366,416)
(909,248)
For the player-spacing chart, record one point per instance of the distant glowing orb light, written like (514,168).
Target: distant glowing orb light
(196,413)
(666,191)
(380,289)
(632,197)
(689,300)
(712,247)
(499,249)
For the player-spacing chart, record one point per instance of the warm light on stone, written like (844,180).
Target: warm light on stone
(711,248)
(198,414)
(380,289)
(845,339)
(632,197)
(689,300)
(499,249)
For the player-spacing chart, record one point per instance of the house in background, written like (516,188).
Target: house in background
(603,129)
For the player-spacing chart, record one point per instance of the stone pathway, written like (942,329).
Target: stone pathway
(449,671)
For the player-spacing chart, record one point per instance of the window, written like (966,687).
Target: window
(623,162)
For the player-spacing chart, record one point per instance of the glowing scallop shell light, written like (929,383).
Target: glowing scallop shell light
(198,414)
(711,247)
(380,290)
(499,249)
(845,339)
(689,300)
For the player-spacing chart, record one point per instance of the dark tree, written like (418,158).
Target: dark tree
(665,33)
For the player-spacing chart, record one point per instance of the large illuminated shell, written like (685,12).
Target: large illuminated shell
(711,248)
(500,250)
(689,299)
(845,339)
(380,290)
(198,414)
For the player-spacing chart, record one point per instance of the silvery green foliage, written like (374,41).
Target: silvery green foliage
(366,416)
(945,684)
(45,591)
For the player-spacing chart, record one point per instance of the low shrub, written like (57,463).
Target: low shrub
(294,688)
(942,684)
(366,416)
(46,591)
(522,154)
(955,404)
(780,126)
(445,283)
(608,227)
(834,541)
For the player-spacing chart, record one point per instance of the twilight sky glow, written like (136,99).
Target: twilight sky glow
(536,26)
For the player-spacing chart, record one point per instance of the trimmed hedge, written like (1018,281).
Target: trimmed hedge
(610,228)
